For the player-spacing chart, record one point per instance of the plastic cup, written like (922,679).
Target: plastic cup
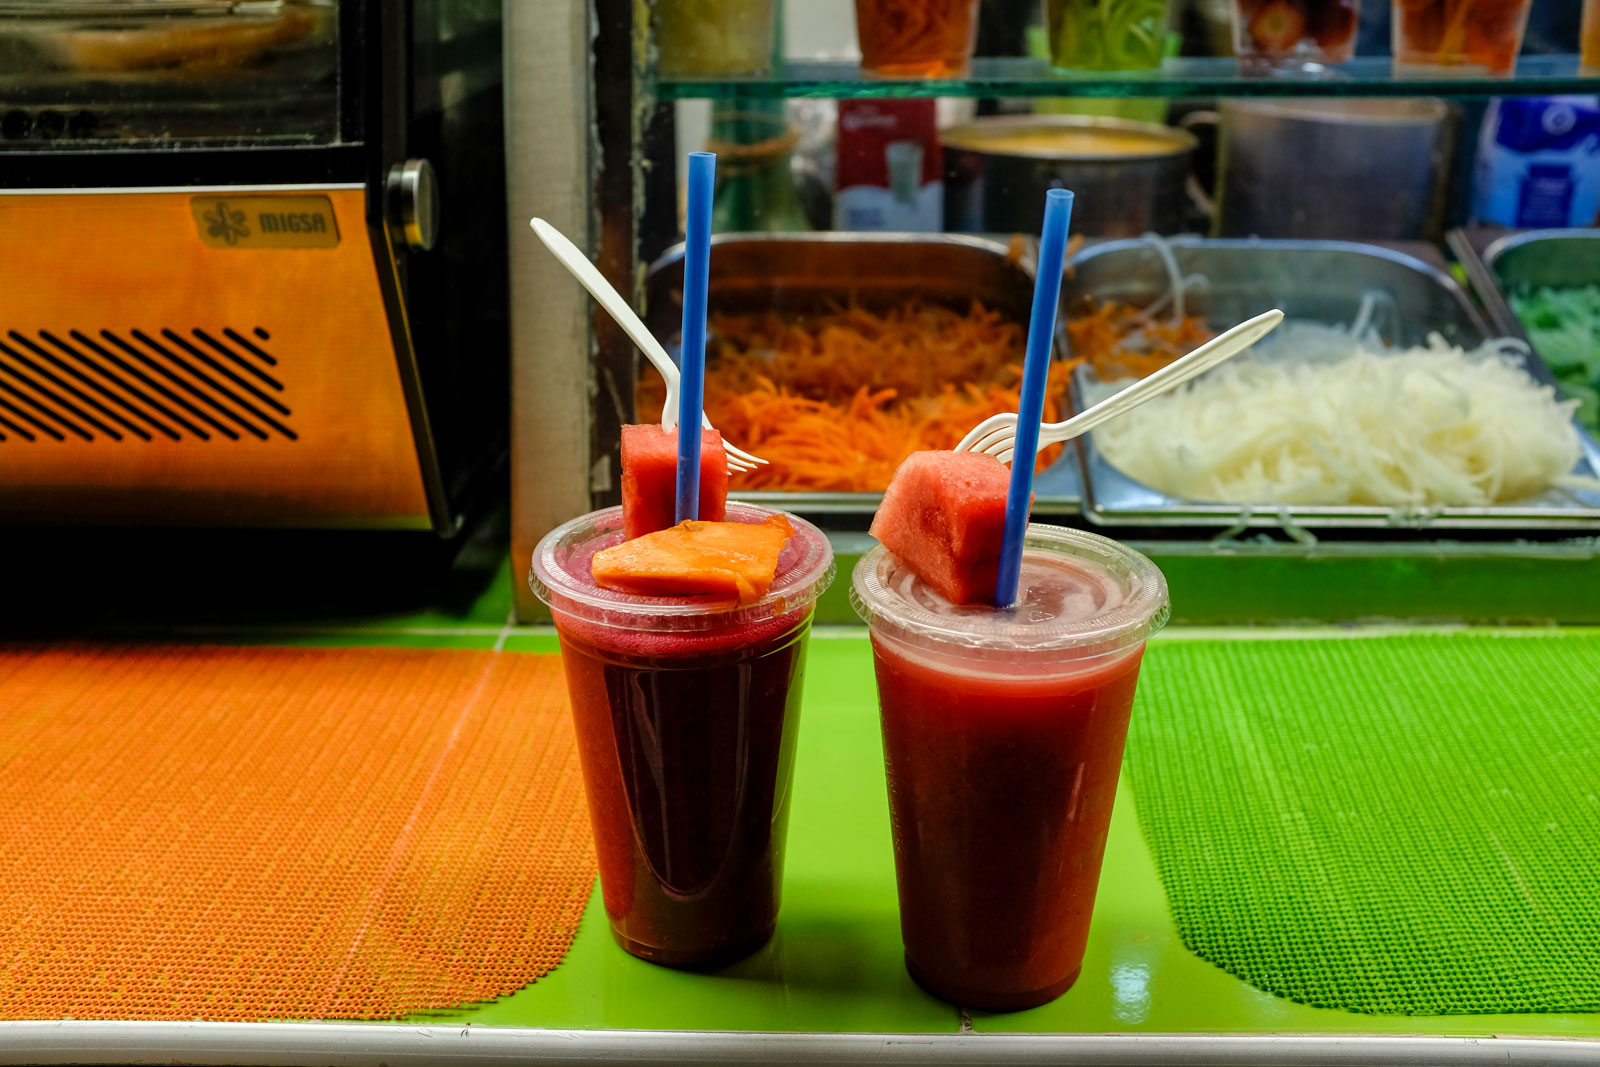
(1469,36)
(1295,34)
(686,714)
(1108,34)
(904,162)
(711,37)
(924,38)
(1003,734)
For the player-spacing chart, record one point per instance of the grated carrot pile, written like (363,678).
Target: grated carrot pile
(915,36)
(835,401)
(1120,342)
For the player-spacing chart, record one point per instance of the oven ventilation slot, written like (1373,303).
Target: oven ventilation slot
(137,386)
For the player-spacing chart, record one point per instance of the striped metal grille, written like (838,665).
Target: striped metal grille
(137,386)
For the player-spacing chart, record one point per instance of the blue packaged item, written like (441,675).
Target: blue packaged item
(1539,162)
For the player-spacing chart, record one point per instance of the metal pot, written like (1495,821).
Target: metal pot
(1129,176)
(1378,168)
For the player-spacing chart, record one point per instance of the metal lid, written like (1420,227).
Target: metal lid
(1031,137)
(1351,111)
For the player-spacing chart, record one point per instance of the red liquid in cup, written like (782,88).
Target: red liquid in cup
(1003,734)
(1292,33)
(687,750)
(1484,35)
(997,881)
(686,715)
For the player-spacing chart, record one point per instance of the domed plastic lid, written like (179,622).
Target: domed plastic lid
(560,577)
(1080,592)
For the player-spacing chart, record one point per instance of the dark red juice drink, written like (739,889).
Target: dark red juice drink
(686,714)
(1295,33)
(1003,735)
(1471,36)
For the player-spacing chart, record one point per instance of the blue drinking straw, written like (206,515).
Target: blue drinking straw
(692,361)
(1030,408)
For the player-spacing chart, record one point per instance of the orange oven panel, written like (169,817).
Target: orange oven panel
(199,356)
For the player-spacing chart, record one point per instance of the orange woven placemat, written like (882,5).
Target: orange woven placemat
(268,833)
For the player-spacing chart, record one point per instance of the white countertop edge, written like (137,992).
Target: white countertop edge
(207,1044)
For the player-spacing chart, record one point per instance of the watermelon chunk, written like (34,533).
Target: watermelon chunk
(650,479)
(944,514)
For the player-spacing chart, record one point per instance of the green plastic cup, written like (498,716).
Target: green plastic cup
(1108,34)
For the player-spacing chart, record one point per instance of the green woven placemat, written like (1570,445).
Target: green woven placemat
(1406,824)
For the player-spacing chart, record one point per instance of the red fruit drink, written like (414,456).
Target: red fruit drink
(1003,734)
(1473,36)
(686,714)
(1295,33)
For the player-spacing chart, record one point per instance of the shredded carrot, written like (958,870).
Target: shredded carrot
(1016,248)
(836,400)
(1022,247)
(923,36)
(1119,341)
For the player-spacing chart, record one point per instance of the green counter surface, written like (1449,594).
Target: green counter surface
(835,964)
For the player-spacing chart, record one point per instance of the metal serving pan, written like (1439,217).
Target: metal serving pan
(1499,262)
(1322,281)
(797,273)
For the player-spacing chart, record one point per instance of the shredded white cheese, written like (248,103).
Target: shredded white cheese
(1321,418)
(1178,283)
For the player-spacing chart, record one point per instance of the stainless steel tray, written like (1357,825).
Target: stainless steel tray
(1499,262)
(1322,281)
(797,273)
(1318,280)
(1545,257)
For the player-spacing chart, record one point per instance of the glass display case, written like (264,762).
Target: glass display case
(815,325)
(99,71)
(1300,149)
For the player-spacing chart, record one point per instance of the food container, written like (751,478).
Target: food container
(1330,169)
(796,273)
(1294,34)
(1500,264)
(1128,176)
(917,38)
(1108,34)
(712,37)
(1322,281)
(1470,37)
(1559,258)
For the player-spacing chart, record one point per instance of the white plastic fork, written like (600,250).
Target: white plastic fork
(590,278)
(997,434)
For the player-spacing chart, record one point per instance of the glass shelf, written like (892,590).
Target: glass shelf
(1179,77)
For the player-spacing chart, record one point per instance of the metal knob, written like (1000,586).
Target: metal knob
(413,203)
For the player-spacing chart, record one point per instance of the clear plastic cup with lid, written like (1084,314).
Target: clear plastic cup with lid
(1003,732)
(686,711)
(1085,598)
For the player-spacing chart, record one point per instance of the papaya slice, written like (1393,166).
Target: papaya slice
(724,560)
